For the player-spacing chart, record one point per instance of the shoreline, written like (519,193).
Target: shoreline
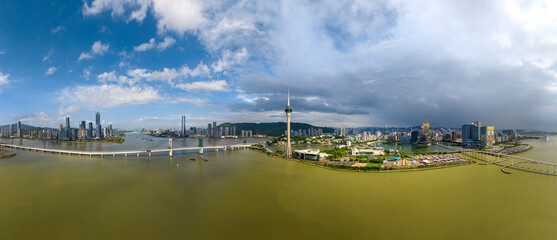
(357,170)
(525,150)
(6,154)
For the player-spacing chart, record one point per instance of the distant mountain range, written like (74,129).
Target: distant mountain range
(26,128)
(23,126)
(272,129)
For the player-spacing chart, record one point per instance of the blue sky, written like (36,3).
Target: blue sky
(143,63)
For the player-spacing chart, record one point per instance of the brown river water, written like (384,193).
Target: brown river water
(246,194)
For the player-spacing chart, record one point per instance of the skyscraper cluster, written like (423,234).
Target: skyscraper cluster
(9,132)
(64,132)
(217,132)
(475,134)
(311,132)
(86,131)
(246,133)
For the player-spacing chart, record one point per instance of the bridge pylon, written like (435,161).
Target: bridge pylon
(170,147)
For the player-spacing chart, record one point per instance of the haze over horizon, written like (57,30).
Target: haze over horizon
(144,63)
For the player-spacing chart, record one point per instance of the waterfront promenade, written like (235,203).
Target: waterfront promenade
(125,153)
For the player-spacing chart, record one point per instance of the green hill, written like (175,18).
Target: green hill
(26,128)
(23,126)
(272,129)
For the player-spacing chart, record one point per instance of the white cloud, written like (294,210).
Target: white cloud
(3,80)
(167,74)
(138,73)
(145,46)
(84,55)
(179,15)
(200,70)
(118,8)
(167,42)
(68,109)
(142,119)
(40,117)
(208,86)
(105,96)
(98,49)
(196,101)
(246,98)
(51,70)
(173,15)
(87,73)
(107,77)
(140,13)
(171,75)
(229,58)
(48,55)
(57,29)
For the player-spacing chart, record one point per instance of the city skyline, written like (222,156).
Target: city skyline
(348,63)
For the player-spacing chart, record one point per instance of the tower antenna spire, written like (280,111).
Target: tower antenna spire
(288,97)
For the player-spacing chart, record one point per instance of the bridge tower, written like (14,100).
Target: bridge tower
(200,140)
(170,146)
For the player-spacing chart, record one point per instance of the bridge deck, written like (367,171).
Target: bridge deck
(73,152)
(512,158)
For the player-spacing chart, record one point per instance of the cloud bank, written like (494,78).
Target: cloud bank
(395,62)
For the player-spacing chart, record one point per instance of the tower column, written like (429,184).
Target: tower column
(170,147)
(288,111)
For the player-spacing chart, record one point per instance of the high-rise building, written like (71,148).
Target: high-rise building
(19,132)
(487,135)
(60,132)
(183,126)
(425,129)
(288,111)
(215,132)
(473,133)
(68,129)
(11,130)
(466,133)
(82,134)
(90,130)
(414,136)
(209,130)
(98,125)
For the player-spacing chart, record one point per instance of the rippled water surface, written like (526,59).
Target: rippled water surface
(247,195)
